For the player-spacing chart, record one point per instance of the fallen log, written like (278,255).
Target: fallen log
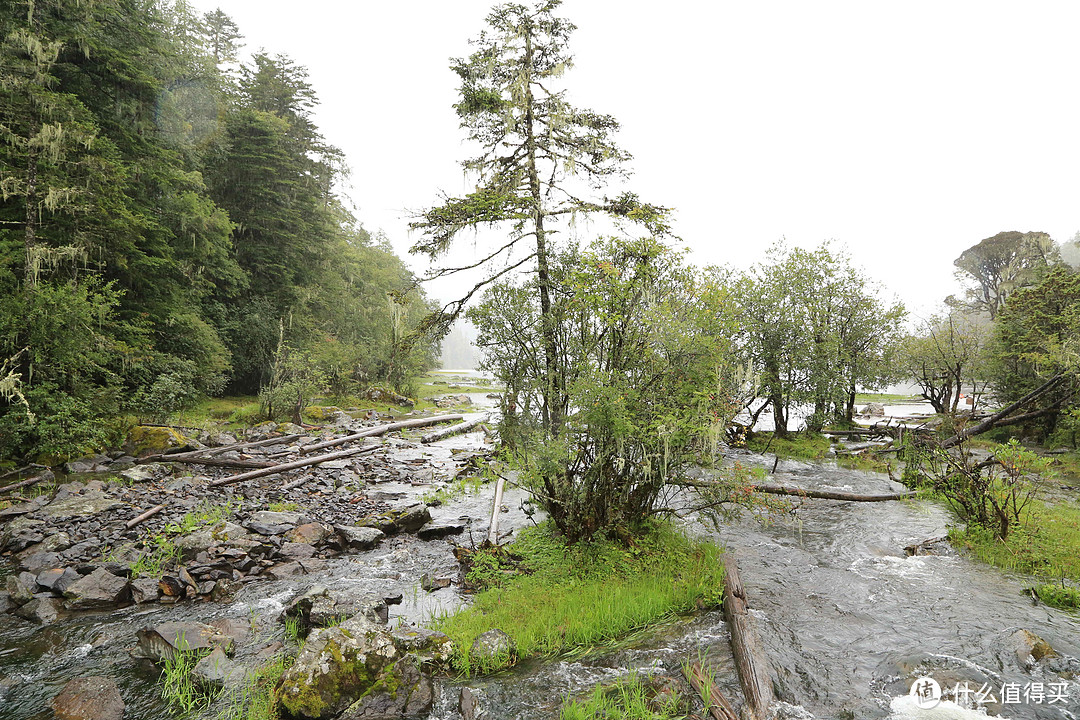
(1001,416)
(17,471)
(830,494)
(750,659)
(290,466)
(717,705)
(453,430)
(381,430)
(22,483)
(226,462)
(144,517)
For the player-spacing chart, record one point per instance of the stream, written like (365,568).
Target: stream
(848,620)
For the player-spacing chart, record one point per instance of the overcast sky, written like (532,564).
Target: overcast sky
(906,132)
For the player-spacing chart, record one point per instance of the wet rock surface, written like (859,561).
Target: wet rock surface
(89,698)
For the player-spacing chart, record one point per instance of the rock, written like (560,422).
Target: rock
(146,473)
(47,578)
(88,464)
(6,603)
(21,587)
(429,647)
(39,561)
(493,645)
(435,531)
(266,522)
(431,584)
(309,534)
(144,590)
(224,533)
(449,401)
(1030,648)
(66,580)
(224,589)
(237,629)
(285,570)
(402,693)
(22,532)
(216,670)
(123,462)
(296,551)
(468,705)
(336,667)
(219,439)
(89,698)
(288,428)
(99,589)
(43,610)
(319,607)
(162,641)
(81,506)
(874,410)
(409,519)
(353,537)
(145,440)
(378,394)
(57,542)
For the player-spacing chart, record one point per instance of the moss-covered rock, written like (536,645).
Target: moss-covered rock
(336,667)
(146,440)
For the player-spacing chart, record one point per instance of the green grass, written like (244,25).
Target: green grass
(632,698)
(1065,597)
(283,506)
(552,598)
(178,687)
(1046,544)
(258,699)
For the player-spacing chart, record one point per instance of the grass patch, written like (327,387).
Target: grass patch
(1059,596)
(632,698)
(178,687)
(1046,543)
(258,699)
(552,598)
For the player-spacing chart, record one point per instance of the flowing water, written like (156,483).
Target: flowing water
(848,620)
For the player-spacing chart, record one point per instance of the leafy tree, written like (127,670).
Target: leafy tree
(814,330)
(649,379)
(538,154)
(999,265)
(946,356)
(1037,336)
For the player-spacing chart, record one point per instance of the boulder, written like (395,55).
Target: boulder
(433,531)
(47,578)
(353,537)
(43,610)
(162,641)
(39,561)
(402,693)
(89,698)
(296,551)
(874,410)
(320,607)
(146,473)
(99,589)
(81,506)
(267,522)
(219,439)
(88,464)
(21,587)
(431,584)
(146,440)
(224,533)
(336,667)
(493,645)
(429,647)
(216,670)
(1030,648)
(145,590)
(408,519)
(69,577)
(22,532)
(308,534)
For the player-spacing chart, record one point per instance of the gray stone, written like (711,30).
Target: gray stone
(493,645)
(88,464)
(267,522)
(409,519)
(99,589)
(57,542)
(66,580)
(6,603)
(81,506)
(429,647)
(147,472)
(216,670)
(89,698)
(354,537)
(47,578)
(433,531)
(224,533)
(431,584)
(296,551)
(220,439)
(43,610)
(308,533)
(144,590)
(1030,648)
(320,607)
(39,561)
(162,641)
(21,587)
(22,532)
(235,628)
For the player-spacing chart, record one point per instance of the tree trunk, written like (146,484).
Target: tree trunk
(780,419)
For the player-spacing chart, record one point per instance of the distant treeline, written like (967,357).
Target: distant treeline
(170,226)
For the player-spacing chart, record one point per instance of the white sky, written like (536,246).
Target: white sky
(905,131)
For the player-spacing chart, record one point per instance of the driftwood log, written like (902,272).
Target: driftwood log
(227,462)
(22,483)
(296,464)
(750,659)
(831,494)
(453,430)
(1001,417)
(381,430)
(719,707)
(144,516)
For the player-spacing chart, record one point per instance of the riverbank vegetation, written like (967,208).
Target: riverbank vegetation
(552,597)
(171,229)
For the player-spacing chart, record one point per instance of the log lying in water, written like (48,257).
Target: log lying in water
(381,430)
(453,430)
(750,659)
(719,707)
(296,464)
(831,494)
